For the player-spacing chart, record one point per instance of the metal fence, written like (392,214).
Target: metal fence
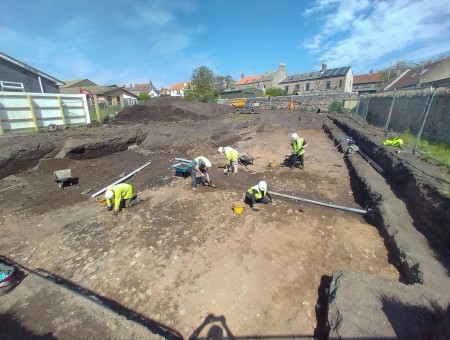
(424,113)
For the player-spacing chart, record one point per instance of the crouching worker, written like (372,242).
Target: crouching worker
(199,172)
(123,197)
(232,159)
(257,194)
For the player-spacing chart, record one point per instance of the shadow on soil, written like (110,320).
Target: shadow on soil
(12,328)
(417,322)
(153,326)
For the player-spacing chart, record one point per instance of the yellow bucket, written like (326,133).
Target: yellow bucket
(101,200)
(271,164)
(238,207)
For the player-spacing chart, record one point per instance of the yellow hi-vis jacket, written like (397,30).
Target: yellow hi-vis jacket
(122,191)
(298,146)
(394,142)
(232,154)
(259,194)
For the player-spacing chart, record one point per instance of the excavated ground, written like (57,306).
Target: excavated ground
(179,255)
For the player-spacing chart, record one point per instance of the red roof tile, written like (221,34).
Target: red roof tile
(177,86)
(367,78)
(247,80)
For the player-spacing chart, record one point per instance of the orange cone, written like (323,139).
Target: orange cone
(291,105)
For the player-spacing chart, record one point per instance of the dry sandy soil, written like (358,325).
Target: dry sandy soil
(180,255)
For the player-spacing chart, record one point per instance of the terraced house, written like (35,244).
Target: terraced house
(333,80)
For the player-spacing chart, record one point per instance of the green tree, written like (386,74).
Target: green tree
(143,97)
(202,86)
(274,92)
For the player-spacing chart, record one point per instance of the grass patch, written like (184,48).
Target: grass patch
(103,112)
(434,148)
(239,118)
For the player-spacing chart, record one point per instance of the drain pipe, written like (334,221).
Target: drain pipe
(121,179)
(359,211)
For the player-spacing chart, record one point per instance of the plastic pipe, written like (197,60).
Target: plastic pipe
(121,179)
(359,211)
(183,160)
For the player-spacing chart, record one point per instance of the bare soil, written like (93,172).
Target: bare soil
(180,255)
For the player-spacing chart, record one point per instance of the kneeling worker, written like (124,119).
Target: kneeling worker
(200,166)
(122,194)
(257,194)
(232,159)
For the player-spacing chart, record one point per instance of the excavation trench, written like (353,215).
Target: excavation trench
(180,255)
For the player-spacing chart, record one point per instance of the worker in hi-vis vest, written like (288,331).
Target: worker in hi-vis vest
(199,172)
(122,194)
(298,149)
(257,194)
(232,159)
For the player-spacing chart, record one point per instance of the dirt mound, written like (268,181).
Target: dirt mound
(171,110)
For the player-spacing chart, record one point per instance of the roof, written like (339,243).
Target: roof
(367,78)
(247,80)
(98,90)
(334,72)
(177,86)
(74,82)
(31,69)
(411,77)
(147,87)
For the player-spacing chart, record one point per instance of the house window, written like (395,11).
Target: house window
(109,100)
(340,83)
(118,100)
(328,85)
(297,88)
(307,87)
(286,89)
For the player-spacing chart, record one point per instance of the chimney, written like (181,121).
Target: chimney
(131,85)
(324,67)
(242,75)
(371,71)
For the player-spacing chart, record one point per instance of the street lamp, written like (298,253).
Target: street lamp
(421,73)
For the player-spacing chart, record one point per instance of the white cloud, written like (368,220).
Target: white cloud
(364,33)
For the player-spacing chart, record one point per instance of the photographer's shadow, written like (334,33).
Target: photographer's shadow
(215,332)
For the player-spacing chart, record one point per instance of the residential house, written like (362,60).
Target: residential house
(110,95)
(177,90)
(18,76)
(264,81)
(367,83)
(436,74)
(333,80)
(143,88)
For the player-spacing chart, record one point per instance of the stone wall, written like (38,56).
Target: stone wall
(310,102)
(408,111)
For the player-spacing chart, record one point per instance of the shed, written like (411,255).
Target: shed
(242,93)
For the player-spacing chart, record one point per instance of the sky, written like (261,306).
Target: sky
(125,42)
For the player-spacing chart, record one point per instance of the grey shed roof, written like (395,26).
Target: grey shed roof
(334,72)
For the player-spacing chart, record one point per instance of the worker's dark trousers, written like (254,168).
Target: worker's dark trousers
(131,201)
(194,177)
(248,199)
(296,157)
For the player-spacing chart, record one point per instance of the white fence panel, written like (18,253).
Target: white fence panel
(19,111)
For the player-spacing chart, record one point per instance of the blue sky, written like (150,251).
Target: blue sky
(134,41)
